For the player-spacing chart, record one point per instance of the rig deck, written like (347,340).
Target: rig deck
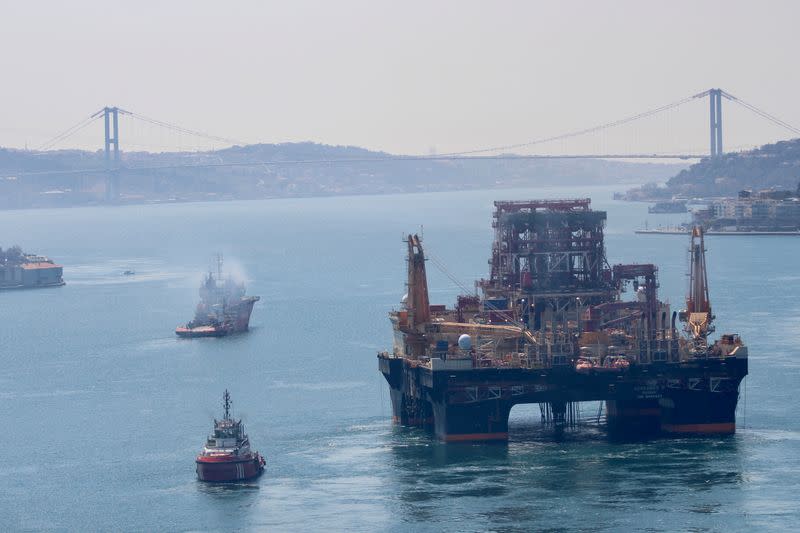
(552,328)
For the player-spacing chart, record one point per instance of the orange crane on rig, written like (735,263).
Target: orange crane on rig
(698,316)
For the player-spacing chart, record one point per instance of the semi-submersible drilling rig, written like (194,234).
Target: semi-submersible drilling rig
(552,328)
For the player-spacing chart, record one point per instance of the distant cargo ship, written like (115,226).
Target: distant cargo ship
(223,308)
(19,270)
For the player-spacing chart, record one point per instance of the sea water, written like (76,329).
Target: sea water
(103,409)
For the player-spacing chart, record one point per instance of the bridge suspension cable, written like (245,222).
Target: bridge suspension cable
(186,131)
(69,132)
(585,131)
(563,136)
(761,113)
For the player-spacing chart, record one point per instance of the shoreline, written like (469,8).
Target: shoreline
(675,231)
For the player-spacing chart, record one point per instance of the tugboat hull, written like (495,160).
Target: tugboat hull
(239,315)
(228,471)
(201,331)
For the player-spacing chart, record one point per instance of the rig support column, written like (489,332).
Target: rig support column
(559,411)
(633,416)
(483,421)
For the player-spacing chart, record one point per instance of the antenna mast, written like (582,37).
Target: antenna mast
(226,398)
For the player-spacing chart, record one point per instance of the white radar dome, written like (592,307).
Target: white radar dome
(465,342)
(404,299)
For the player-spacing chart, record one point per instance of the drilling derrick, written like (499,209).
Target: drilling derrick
(548,260)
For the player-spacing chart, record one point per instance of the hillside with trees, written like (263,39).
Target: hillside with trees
(73,177)
(771,166)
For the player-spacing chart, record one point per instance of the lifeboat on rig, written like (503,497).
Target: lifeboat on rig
(226,455)
(616,362)
(586,364)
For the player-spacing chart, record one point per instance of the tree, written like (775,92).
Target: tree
(14,254)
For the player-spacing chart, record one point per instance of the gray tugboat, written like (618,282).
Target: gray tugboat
(223,309)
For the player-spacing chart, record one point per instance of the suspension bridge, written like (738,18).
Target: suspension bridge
(114,167)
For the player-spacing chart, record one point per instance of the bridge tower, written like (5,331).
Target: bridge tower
(111,120)
(715,120)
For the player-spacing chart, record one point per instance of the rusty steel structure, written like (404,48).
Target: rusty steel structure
(547,254)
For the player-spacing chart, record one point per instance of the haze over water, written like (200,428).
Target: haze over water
(104,409)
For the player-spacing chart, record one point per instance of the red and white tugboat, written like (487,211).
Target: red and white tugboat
(227,455)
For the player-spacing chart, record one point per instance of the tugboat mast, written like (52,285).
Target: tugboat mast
(227,404)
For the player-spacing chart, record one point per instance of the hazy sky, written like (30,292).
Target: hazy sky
(405,77)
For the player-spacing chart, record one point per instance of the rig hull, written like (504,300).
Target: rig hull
(699,412)
(473,405)
(240,314)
